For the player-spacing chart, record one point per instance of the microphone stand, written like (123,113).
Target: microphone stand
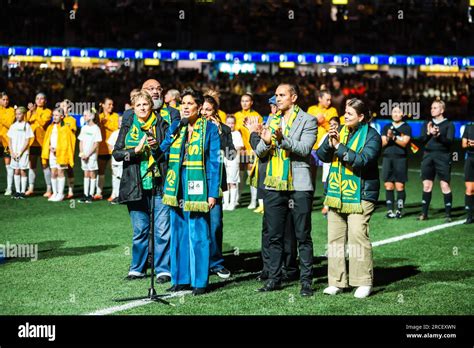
(152,295)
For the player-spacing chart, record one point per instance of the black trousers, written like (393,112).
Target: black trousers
(278,206)
(290,265)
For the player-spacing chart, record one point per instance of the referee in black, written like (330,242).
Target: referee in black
(437,136)
(395,139)
(468,144)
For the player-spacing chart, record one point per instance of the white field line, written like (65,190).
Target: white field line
(138,303)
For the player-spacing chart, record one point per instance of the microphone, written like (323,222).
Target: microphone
(182,123)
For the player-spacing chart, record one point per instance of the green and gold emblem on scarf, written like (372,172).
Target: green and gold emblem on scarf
(165,115)
(279,176)
(132,139)
(344,191)
(195,189)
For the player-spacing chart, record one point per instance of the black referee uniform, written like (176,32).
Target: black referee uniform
(395,166)
(437,161)
(469,171)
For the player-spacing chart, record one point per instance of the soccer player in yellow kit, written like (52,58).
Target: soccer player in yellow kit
(246,102)
(38,117)
(108,123)
(7,117)
(58,151)
(70,121)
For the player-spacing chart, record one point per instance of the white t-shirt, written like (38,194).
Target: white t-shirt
(111,141)
(19,132)
(238,143)
(90,135)
(54,137)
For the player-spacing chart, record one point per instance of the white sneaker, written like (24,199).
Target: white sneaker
(225,206)
(252,205)
(52,198)
(59,198)
(8,192)
(332,290)
(231,207)
(363,291)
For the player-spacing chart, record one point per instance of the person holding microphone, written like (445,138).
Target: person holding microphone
(136,147)
(192,190)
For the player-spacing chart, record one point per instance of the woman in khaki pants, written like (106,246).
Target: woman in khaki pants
(353,188)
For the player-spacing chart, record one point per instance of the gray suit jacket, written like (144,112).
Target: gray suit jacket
(299,142)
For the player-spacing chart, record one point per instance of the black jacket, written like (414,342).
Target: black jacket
(363,164)
(131,182)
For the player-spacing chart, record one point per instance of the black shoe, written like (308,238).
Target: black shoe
(199,291)
(422,217)
(134,277)
(21,196)
(468,220)
(89,199)
(83,199)
(15,195)
(390,215)
(270,285)
(398,214)
(306,290)
(448,218)
(179,287)
(163,279)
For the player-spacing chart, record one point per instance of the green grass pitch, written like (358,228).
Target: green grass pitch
(84,254)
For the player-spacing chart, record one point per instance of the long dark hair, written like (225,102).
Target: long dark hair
(215,106)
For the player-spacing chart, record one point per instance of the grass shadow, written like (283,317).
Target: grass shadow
(52,249)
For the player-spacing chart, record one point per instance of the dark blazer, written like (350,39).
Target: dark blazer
(130,182)
(363,164)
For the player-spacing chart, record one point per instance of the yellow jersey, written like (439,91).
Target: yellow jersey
(71,122)
(39,119)
(108,124)
(239,126)
(323,128)
(222,115)
(64,148)
(7,117)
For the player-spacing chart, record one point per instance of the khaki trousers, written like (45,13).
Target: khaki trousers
(350,233)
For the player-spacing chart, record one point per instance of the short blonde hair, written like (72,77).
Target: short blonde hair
(440,102)
(142,95)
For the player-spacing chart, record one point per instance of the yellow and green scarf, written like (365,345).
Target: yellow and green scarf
(132,139)
(279,176)
(252,179)
(195,190)
(344,191)
(165,115)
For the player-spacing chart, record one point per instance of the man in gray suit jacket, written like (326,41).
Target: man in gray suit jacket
(297,200)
